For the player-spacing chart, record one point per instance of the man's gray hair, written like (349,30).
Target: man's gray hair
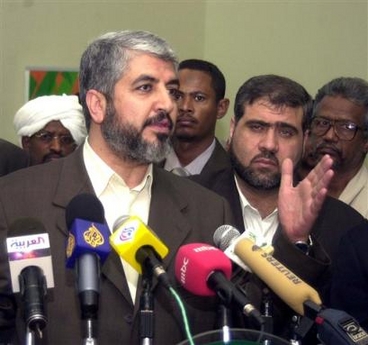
(351,88)
(106,59)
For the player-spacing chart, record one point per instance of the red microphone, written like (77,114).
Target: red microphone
(205,270)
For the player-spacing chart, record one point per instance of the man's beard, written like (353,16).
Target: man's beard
(127,142)
(262,180)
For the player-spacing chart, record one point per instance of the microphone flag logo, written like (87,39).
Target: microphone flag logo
(87,237)
(127,233)
(70,245)
(93,236)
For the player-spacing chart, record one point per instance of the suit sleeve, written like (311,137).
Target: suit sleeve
(8,308)
(349,290)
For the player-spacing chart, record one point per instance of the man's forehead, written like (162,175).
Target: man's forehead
(340,107)
(55,125)
(263,106)
(143,60)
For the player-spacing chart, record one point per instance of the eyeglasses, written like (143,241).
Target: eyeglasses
(47,138)
(344,130)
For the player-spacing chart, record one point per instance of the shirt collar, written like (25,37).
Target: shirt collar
(101,174)
(195,167)
(244,201)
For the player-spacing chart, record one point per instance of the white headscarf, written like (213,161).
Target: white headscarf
(38,112)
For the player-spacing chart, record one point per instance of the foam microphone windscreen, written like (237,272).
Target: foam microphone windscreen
(195,263)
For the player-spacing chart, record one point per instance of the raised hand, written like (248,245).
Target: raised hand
(299,206)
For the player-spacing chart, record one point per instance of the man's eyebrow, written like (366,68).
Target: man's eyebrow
(198,92)
(149,78)
(174,81)
(277,123)
(145,77)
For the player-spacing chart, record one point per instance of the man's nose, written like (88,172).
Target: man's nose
(269,140)
(55,144)
(185,104)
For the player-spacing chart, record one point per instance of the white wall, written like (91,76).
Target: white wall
(54,33)
(310,41)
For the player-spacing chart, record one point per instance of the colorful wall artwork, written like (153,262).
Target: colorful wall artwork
(41,82)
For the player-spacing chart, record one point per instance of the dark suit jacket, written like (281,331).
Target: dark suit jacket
(180,212)
(218,161)
(334,219)
(349,290)
(12,158)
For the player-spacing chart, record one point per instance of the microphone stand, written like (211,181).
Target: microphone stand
(88,297)
(30,337)
(225,322)
(33,291)
(146,308)
(267,314)
(89,337)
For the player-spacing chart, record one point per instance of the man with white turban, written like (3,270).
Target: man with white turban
(50,127)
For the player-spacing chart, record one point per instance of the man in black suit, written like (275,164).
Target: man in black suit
(12,157)
(128,85)
(265,147)
(349,291)
(201,103)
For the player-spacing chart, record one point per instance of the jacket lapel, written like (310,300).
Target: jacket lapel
(74,180)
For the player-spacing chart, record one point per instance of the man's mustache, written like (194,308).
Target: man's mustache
(267,155)
(160,117)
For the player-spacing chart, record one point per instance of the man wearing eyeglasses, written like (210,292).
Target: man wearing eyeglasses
(339,128)
(50,127)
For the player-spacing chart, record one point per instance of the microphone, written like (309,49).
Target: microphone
(139,246)
(205,271)
(30,264)
(288,286)
(224,238)
(87,248)
(333,326)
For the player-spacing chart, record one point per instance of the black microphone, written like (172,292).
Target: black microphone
(335,326)
(87,248)
(30,266)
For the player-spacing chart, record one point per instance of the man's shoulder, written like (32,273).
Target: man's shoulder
(340,208)
(37,175)
(219,158)
(184,187)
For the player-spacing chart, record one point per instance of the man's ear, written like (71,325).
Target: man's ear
(305,139)
(232,128)
(96,103)
(365,146)
(26,143)
(222,107)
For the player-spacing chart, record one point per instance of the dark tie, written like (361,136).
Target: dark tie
(180,171)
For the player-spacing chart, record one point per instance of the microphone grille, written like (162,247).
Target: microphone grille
(119,221)
(224,235)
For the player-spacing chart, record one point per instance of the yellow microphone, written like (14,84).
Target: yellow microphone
(139,246)
(287,285)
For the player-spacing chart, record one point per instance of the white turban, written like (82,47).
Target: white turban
(38,112)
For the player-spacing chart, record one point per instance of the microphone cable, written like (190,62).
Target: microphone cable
(184,314)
